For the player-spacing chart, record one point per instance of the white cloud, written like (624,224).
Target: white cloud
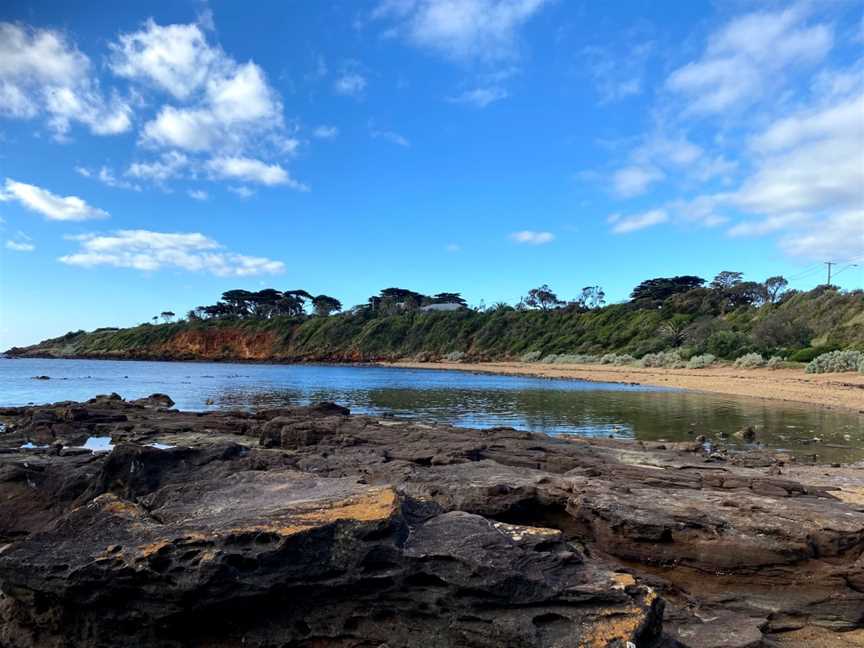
(169,165)
(390,136)
(198,194)
(53,207)
(747,59)
(634,180)
(150,251)
(814,162)
(617,72)
(625,224)
(480,97)
(42,73)
(350,84)
(250,170)
(243,192)
(106,176)
(228,106)
(460,29)
(174,58)
(840,236)
(530,237)
(20,247)
(325,132)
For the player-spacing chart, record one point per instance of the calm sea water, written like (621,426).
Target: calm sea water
(459,398)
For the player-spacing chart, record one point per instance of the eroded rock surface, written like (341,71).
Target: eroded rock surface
(312,527)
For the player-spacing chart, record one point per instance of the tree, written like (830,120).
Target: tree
(746,293)
(775,287)
(448,298)
(263,304)
(542,298)
(592,297)
(238,301)
(674,329)
(726,279)
(323,305)
(155,318)
(661,288)
(167,316)
(193,315)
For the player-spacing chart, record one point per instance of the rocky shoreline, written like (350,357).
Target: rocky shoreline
(313,527)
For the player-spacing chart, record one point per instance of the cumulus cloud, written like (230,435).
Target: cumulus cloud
(42,73)
(173,58)
(625,224)
(198,194)
(243,192)
(530,237)
(461,30)
(224,108)
(748,59)
(150,251)
(52,206)
(250,170)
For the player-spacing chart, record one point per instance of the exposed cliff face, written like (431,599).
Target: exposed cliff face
(309,527)
(219,343)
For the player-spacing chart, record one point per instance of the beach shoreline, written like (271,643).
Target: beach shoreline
(837,390)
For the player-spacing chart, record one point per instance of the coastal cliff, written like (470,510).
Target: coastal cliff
(803,325)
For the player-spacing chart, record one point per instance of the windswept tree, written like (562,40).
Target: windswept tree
(167,316)
(661,288)
(726,280)
(592,297)
(264,303)
(775,287)
(543,298)
(448,298)
(323,305)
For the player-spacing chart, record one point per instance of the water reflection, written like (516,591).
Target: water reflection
(475,400)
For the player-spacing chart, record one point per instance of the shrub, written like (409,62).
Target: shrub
(568,358)
(811,353)
(531,356)
(727,344)
(750,361)
(701,361)
(455,356)
(667,359)
(617,359)
(775,362)
(836,361)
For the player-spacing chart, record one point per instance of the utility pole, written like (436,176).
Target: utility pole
(829,264)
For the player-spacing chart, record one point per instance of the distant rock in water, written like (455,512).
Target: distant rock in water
(41,377)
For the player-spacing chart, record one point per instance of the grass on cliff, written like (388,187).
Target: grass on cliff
(805,323)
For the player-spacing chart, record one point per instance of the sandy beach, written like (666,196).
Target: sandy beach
(839,390)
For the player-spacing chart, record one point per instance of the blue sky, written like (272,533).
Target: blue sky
(154,155)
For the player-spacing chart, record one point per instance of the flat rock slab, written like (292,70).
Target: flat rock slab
(311,527)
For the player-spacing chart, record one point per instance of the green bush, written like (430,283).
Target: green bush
(531,356)
(836,362)
(455,356)
(727,344)
(617,359)
(811,353)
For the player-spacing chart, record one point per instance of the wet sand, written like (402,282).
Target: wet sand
(839,390)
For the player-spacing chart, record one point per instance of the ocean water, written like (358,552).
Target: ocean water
(458,398)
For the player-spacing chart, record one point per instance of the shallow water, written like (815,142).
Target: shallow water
(459,398)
